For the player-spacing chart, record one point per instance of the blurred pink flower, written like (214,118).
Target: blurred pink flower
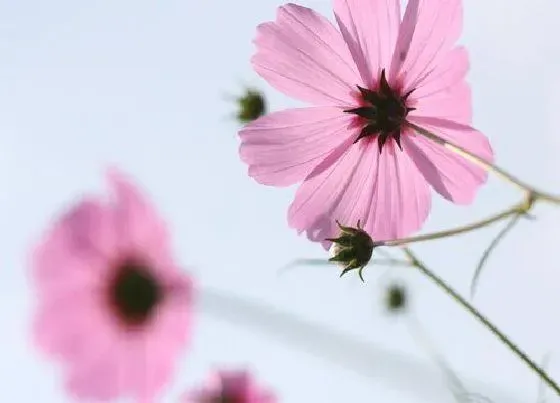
(230,387)
(113,305)
(352,151)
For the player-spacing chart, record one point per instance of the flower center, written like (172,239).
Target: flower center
(384,112)
(134,293)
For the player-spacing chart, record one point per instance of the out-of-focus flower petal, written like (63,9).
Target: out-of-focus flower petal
(114,308)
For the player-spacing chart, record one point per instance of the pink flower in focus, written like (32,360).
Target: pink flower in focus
(355,156)
(113,305)
(230,387)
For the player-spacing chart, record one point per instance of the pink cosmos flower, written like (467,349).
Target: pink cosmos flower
(113,305)
(353,151)
(230,387)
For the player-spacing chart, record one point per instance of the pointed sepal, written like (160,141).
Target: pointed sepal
(352,249)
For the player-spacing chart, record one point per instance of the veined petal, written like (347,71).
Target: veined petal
(401,199)
(444,93)
(455,104)
(428,31)
(320,193)
(282,148)
(450,174)
(384,191)
(370,29)
(304,56)
(355,202)
(451,70)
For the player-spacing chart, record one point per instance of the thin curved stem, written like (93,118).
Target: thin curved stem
(482,319)
(493,245)
(514,210)
(537,194)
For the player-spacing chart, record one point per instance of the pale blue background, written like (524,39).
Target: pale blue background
(141,84)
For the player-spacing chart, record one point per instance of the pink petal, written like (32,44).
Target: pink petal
(136,364)
(283,148)
(75,252)
(304,56)
(323,228)
(172,327)
(454,104)
(149,364)
(101,376)
(57,273)
(88,230)
(355,202)
(320,193)
(428,31)
(66,327)
(370,29)
(451,70)
(444,93)
(149,355)
(401,199)
(450,175)
(139,225)
(385,192)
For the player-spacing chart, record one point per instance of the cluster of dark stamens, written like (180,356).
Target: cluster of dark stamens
(384,112)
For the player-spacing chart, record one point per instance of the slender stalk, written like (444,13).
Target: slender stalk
(493,245)
(516,209)
(537,194)
(482,319)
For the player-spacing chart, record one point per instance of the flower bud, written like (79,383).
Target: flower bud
(251,106)
(352,249)
(395,298)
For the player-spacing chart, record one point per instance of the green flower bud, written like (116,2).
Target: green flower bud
(352,249)
(251,106)
(395,298)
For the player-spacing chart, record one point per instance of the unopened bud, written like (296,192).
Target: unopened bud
(251,106)
(352,249)
(395,298)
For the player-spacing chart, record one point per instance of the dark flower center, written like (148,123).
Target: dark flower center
(134,293)
(384,112)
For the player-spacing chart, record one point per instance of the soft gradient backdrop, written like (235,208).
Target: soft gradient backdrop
(142,84)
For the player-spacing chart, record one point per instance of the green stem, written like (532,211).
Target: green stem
(517,209)
(537,194)
(482,319)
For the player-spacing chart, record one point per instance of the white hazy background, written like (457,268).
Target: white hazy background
(141,84)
